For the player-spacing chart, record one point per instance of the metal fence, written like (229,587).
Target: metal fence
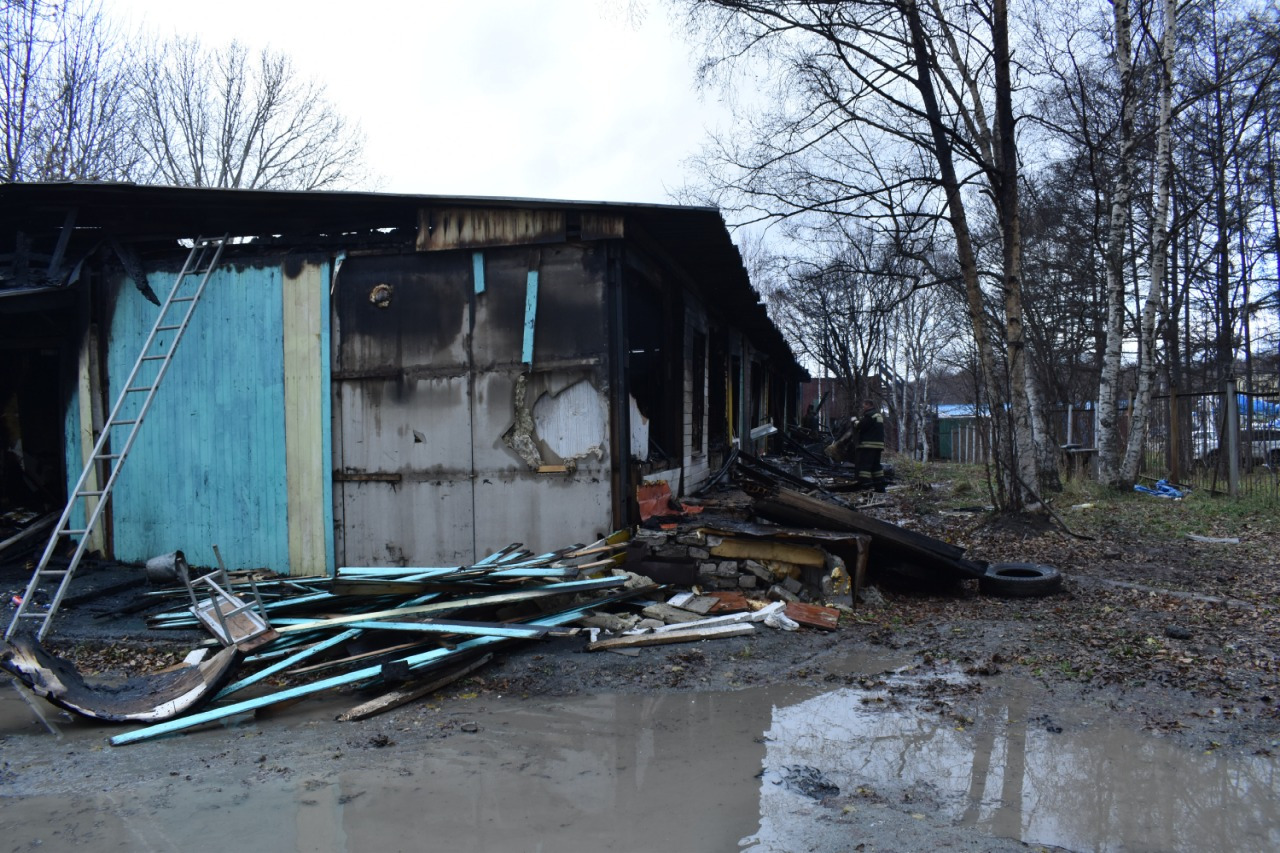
(1223,442)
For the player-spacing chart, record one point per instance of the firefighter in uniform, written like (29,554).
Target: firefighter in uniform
(869,432)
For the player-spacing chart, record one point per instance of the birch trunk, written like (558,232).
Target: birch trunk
(1003,497)
(1108,439)
(1020,375)
(1159,248)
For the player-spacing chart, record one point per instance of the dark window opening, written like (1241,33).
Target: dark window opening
(735,388)
(655,366)
(717,397)
(756,402)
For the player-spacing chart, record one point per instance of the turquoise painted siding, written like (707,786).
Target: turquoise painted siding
(209,465)
(326,413)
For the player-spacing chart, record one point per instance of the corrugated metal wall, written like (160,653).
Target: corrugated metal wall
(428,371)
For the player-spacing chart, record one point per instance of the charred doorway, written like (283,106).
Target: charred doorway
(655,368)
(34,393)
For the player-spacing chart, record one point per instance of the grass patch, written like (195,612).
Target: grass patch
(1098,510)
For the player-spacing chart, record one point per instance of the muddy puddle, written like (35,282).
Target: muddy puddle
(625,772)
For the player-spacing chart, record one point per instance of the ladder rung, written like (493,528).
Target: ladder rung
(108,456)
(31,615)
(52,573)
(90,494)
(122,422)
(183,299)
(70,532)
(168,328)
(154,357)
(139,389)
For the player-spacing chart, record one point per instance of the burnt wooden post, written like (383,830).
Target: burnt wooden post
(1175,435)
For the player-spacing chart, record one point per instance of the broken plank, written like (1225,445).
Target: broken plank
(419,660)
(476,629)
(763,549)
(812,615)
(459,603)
(381,654)
(29,531)
(409,693)
(728,619)
(889,541)
(669,614)
(700,604)
(691,635)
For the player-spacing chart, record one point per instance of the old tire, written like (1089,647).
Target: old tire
(1020,580)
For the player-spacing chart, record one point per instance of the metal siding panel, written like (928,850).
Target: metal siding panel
(304,312)
(517,504)
(209,465)
(404,409)
(424,323)
(422,434)
(570,322)
(544,511)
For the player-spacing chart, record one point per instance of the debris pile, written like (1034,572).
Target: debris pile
(790,555)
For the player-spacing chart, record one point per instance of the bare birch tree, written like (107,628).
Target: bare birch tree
(885,106)
(1108,437)
(227,118)
(1156,260)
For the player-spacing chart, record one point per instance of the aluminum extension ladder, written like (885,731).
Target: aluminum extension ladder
(119,432)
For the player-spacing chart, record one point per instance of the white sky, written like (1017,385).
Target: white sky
(524,98)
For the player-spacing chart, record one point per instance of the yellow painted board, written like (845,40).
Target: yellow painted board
(763,549)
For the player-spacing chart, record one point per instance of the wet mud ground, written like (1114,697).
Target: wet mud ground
(1134,711)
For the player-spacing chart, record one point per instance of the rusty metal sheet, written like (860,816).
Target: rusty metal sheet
(442,228)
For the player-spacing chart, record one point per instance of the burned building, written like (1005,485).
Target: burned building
(375,379)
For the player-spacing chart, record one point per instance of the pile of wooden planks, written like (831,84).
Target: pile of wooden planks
(396,631)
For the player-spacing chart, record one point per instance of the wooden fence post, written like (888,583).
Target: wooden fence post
(1231,405)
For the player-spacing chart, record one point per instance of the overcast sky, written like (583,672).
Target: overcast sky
(531,98)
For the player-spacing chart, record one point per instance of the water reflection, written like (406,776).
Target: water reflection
(1045,781)
(625,772)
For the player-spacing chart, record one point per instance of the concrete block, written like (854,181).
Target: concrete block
(778,593)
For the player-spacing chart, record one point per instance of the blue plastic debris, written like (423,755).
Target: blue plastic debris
(1162,489)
